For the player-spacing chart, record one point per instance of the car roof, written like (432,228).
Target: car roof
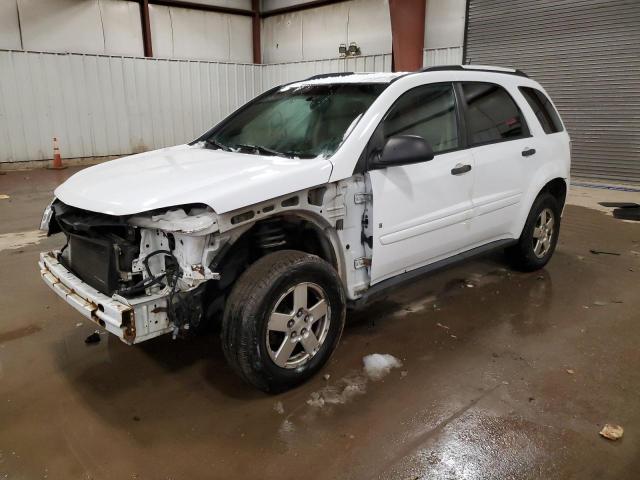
(346,77)
(388,77)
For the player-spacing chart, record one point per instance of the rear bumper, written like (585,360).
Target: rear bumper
(131,320)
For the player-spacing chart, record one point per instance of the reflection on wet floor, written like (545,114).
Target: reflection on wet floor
(483,390)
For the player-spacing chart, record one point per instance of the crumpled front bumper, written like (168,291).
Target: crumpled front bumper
(131,320)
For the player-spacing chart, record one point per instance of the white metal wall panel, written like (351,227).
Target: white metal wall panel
(102,105)
(161,32)
(242,4)
(370,26)
(444,23)
(276,74)
(109,27)
(121,28)
(585,54)
(9,25)
(61,25)
(318,32)
(196,35)
(442,56)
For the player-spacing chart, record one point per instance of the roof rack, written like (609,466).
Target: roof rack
(329,75)
(438,68)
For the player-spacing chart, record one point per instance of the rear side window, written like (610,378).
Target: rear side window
(492,115)
(428,111)
(541,106)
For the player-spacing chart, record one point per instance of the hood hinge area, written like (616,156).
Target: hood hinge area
(360,198)
(362,262)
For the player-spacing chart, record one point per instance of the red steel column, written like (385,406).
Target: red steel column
(146,28)
(255,7)
(407,33)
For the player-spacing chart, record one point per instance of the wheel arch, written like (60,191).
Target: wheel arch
(305,230)
(554,184)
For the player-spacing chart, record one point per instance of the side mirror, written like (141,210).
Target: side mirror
(403,150)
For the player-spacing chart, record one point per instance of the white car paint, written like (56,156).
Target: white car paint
(186,174)
(421,212)
(417,214)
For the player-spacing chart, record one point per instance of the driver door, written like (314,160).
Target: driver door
(422,211)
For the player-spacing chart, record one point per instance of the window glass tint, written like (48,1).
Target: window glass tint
(429,112)
(492,115)
(543,109)
(301,121)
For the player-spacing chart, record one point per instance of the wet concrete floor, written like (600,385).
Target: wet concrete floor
(505,375)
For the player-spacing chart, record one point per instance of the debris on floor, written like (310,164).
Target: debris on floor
(377,365)
(316,400)
(612,432)
(14,241)
(93,338)
(340,393)
(602,252)
(4,197)
(570,371)
(624,210)
(278,407)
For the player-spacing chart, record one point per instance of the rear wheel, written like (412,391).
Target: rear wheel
(283,320)
(539,235)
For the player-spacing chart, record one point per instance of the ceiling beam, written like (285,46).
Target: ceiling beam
(299,7)
(203,7)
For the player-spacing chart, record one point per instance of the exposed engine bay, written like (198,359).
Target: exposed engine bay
(134,256)
(161,263)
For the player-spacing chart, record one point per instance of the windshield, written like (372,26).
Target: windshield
(306,121)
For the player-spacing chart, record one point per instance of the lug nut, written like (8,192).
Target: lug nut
(304,330)
(290,323)
(299,314)
(294,334)
(306,318)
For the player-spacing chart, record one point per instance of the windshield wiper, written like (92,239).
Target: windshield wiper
(214,143)
(260,149)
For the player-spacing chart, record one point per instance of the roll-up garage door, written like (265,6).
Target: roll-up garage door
(586,53)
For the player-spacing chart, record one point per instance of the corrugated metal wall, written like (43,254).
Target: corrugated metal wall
(432,57)
(585,53)
(101,105)
(278,73)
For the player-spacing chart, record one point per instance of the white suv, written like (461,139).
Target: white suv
(311,198)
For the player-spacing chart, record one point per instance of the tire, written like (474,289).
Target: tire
(265,316)
(528,254)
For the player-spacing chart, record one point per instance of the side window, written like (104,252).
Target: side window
(492,115)
(428,111)
(541,106)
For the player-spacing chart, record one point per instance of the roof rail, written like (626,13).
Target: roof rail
(329,75)
(438,68)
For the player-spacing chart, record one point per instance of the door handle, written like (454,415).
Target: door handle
(527,152)
(459,169)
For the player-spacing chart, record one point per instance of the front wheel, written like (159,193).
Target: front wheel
(539,235)
(283,320)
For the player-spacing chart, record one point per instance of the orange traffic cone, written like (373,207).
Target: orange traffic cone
(57,159)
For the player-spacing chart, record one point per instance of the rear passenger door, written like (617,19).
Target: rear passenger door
(499,139)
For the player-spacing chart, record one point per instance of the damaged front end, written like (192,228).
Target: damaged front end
(139,276)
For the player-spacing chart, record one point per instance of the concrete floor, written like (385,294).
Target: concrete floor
(486,389)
